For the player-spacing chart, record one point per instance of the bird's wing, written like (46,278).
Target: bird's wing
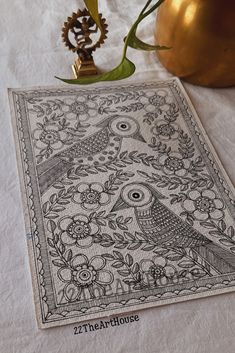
(171,230)
(89,146)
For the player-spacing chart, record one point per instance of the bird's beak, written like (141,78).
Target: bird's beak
(119,205)
(138,137)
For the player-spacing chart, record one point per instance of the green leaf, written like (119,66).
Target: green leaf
(125,69)
(138,44)
(92,6)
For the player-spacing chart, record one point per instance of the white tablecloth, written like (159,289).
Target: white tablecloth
(31,53)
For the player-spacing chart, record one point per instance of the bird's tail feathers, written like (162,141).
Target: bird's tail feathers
(215,257)
(50,171)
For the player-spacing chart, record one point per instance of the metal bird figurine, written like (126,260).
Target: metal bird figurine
(100,148)
(167,229)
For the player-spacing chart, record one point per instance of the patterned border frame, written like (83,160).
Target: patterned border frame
(43,288)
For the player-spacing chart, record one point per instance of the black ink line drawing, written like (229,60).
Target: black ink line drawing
(98,149)
(157,221)
(175,239)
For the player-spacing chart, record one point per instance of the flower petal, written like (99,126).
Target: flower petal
(37,133)
(65,108)
(70,115)
(176,155)
(104,198)
(85,242)
(146,264)
(162,93)
(66,239)
(40,145)
(81,99)
(219,204)
(217,214)
(200,216)
(69,101)
(77,198)
(83,117)
(149,93)
(209,193)
(164,107)
(64,274)
(181,172)
(168,171)
(97,262)
(189,205)
(159,261)
(63,135)
(57,145)
(170,270)
(90,206)
(97,187)
(155,131)
(79,260)
(194,194)
(91,104)
(81,218)
(104,277)
(163,158)
(150,108)
(94,228)
(64,222)
(83,187)
(144,100)
(92,112)
(163,281)
(72,292)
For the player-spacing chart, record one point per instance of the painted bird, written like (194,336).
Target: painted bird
(100,148)
(167,229)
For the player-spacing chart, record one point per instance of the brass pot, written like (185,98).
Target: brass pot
(201,34)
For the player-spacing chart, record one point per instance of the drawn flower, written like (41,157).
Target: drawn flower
(91,196)
(165,131)
(77,230)
(203,205)
(51,136)
(155,101)
(84,276)
(173,164)
(157,270)
(81,108)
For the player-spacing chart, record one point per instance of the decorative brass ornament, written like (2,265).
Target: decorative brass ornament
(201,34)
(76,34)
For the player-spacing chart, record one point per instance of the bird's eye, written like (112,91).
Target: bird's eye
(136,195)
(123,126)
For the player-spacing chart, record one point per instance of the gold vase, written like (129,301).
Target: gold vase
(201,34)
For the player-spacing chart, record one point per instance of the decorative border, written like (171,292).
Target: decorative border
(48,313)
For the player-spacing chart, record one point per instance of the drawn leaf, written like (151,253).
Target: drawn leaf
(226,242)
(58,263)
(198,272)
(108,256)
(117,264)
(129,259)
(118,255)
(222,225)
(135,268)
(124,273)
(186,264)
(51,226)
